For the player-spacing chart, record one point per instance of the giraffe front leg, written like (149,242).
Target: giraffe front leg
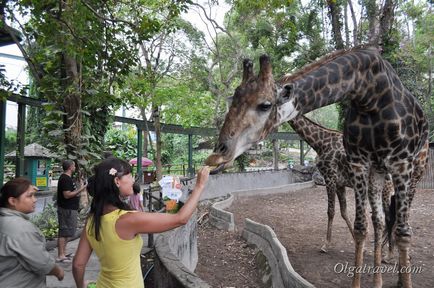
(331,192)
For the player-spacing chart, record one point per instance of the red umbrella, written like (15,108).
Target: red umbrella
(145,162)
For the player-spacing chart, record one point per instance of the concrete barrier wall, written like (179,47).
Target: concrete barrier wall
(221,184)
(177,257)
(283,275)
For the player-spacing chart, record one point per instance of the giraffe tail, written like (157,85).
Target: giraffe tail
(390,223)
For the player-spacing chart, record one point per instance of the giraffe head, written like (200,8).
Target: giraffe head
(252,105)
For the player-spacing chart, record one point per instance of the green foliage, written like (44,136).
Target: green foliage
(10,140)
(47,221)
(101,39)
(122,143)
(175,149)
(242,162)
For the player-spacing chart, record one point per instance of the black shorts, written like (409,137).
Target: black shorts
(67,219)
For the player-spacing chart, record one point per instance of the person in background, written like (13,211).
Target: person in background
(68,202)
(112,228)
(24,260)
(136,199)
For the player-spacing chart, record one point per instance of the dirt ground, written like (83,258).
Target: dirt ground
(303,229)
(225,259)
(300,220)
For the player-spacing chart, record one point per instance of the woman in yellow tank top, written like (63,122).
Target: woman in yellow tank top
(112,228)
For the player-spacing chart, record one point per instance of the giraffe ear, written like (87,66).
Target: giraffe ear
(285,94)
(265,70)
(247,70)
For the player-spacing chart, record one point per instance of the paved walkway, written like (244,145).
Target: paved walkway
(92,268)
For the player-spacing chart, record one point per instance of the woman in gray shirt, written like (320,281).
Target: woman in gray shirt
(24,260)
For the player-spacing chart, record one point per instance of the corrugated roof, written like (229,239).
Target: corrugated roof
(34,150)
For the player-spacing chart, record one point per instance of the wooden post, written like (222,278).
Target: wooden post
(21,130)
(301,153)
(190,156)
(275,154)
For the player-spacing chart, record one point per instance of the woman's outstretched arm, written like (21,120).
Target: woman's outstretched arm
(134,223)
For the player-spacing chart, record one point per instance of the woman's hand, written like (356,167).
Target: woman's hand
(202,177)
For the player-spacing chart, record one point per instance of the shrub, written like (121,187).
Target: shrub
(46,221)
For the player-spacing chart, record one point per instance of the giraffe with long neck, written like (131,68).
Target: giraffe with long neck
(334,167)
(385,130)
(331,163)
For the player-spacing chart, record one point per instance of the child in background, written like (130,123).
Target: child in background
(136,200)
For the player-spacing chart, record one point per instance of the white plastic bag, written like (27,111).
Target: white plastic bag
(171,187)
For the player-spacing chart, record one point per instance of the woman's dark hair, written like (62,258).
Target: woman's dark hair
(136,187)
(105,191)
(13,188)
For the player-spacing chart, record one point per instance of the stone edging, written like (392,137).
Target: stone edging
(283,275)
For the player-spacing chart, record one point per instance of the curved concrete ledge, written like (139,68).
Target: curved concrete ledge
(177,256)
(220,218)
(283,275)
(224,220)
(170,272)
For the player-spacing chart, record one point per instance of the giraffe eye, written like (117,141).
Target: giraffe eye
(264,106)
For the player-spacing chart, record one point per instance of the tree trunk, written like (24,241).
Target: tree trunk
(72,120)
(353,17)
(347,30)
(372,14)
(146,133)
(335,18)
(156,115)
(429,92)
(386,21)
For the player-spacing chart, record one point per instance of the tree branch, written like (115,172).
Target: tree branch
(105,18)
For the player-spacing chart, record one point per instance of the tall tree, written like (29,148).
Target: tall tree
(76,52)
(335,14)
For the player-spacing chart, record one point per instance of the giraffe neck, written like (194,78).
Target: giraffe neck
(317,136)
(347,77)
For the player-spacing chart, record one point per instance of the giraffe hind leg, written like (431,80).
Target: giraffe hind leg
(403,231)
(375,200)
(342,197)
(360,181)
(331,195)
